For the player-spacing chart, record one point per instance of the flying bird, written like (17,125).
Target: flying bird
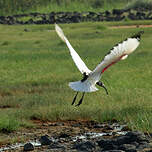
(92,78)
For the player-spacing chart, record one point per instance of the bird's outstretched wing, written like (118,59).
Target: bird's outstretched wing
(118,52)
(76,58)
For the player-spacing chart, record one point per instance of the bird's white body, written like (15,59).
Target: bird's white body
(118,52)
(86,86)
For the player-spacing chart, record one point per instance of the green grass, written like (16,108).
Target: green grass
(8,7)
(35,69)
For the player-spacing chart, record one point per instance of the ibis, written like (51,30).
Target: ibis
(92,78)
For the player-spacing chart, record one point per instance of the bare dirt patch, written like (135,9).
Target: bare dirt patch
(130,26)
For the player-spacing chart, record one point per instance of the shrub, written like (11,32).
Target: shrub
(8,124)
(140,4)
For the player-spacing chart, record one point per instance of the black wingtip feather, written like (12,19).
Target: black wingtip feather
(138,35)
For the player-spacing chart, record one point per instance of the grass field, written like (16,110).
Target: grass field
(35,69)
(8,7)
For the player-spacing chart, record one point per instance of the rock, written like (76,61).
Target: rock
(149,16)
(98,126)
(66,138)
(28,147)
(132,16)
(117,11)
(131,142)
(59,124)
(143,145)
(75,17)
(30,21)
(44,140)
(88,146)
(122,140)
(135,144)
(119,18)
(131,137)
(107,144)
(128,148)
(125,128)
(107,13)
(56,146)
(52,18)
(140,15)
(2,19)
(113,151)
(137,136)
(64,135)
(76,125)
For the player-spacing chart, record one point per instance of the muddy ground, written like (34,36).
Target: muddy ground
(83,136)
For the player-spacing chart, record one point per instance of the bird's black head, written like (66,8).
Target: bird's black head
(99,83)
(138,35)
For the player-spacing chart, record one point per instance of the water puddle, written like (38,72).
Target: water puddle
(12,147)
(35,143)
(91,135)
(115,129)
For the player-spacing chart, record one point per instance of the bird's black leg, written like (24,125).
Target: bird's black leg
(103,86)
(81,99)
(74,98)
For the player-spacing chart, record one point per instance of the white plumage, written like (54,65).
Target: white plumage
(76,58)
(91,78)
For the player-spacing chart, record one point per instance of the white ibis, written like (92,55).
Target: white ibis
(92,78)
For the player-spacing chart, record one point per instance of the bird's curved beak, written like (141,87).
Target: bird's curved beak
(105,89)
(103,86)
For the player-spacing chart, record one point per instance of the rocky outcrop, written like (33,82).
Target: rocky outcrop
(44,140)
(129,142)
(83,136)
(76,17)
(28,147)
(132,141)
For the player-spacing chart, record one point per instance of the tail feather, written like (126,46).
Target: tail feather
(82,86)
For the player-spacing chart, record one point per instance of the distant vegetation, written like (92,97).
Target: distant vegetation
(140,4)
(9,7)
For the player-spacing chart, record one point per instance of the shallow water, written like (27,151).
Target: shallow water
(91,135)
